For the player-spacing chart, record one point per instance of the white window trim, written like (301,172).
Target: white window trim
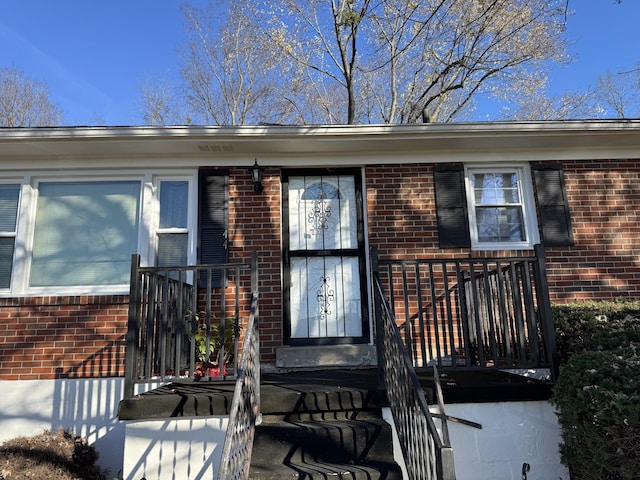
(148,221)
(192,217)
(530,220)
(15,180)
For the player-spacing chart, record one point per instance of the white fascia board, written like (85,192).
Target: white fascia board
(107,147)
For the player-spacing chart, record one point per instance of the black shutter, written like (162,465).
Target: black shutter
(553,206)
(451,206)
(213,219)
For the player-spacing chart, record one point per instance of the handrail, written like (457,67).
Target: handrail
(184,322)
(245,408)
(473,313)
(427,455)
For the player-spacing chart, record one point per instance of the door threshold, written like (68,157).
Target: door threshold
(326,356)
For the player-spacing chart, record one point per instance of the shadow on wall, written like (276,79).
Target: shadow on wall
(184,448)
(85,400)
(89,407)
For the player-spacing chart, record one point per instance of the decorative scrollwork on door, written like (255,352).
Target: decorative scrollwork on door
(325,298)
(320,193)
(319,216)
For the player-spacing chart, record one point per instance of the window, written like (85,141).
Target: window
(173,231)
(76,235)
(9,196)
(501,208)
(85,233)
(493,207)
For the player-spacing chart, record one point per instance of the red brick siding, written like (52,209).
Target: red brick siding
(604,263)
(84,336)
(255,225)
(401,210)
(604,200)
(62,337)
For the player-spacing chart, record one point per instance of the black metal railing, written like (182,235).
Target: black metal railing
(184,321)
(427,453)
(245,408)
(473,312)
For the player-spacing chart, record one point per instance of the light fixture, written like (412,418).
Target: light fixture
(256,176)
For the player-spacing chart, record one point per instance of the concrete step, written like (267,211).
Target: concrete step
(323,424)
(360,447)
(326,390)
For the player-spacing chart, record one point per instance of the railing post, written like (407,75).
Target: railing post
(132,326)
(255,295)
(448,471)
(244,413)
(425,452)
(254,272)
(377,307)
(544,306)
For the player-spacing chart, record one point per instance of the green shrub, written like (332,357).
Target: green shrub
(598,392)
(598,402)
(589,326)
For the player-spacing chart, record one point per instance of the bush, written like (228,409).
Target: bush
(598,392)
(589,326)
(60,456)
(598,401)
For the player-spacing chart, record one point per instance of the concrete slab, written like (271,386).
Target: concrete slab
(326,356)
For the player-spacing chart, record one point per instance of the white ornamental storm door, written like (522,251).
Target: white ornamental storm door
(324,263)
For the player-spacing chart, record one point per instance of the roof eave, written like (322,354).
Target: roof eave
(274,143)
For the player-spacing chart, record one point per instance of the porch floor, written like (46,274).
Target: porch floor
(357,389)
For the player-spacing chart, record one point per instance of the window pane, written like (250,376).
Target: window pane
(325,297)
(9,195)
(173,204)
(322,213)
(85,233)
(6,261)
(503,224)
(172,249)
(495,188)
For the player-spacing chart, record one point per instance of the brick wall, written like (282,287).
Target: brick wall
(604,263)
(604,200)
(84,336)
(255,225)
(62,337)
(402,211)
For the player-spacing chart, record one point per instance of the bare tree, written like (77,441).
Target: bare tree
(25,102)
(616,95)
(323,38)
(398,61)
(567,106)
(160,104)
(619,94)
(442,54)
(360,61)
(230,71)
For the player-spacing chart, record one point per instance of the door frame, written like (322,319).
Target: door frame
(360,251)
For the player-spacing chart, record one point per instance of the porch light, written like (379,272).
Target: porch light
(256,176)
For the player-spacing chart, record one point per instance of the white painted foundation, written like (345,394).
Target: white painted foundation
(88,407)
(177,449)
(513,433)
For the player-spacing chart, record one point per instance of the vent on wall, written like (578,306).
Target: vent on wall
(215,148)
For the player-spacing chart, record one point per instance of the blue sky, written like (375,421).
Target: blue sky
(96,54)
(93,54)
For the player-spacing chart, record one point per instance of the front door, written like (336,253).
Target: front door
(324,262)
